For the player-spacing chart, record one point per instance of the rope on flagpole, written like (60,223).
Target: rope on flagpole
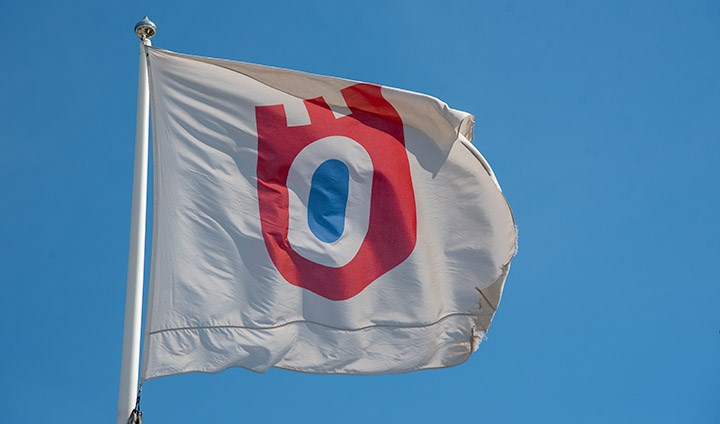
(136,413)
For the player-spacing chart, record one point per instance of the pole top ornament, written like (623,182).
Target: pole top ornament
(145,29)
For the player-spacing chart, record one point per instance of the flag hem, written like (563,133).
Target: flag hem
(304,321)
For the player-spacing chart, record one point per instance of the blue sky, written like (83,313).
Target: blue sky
(600,119)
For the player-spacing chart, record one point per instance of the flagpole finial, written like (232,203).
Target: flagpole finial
(145,29)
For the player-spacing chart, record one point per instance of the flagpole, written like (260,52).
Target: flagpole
(130,365)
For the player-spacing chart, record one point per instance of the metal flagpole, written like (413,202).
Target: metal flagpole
(130,365)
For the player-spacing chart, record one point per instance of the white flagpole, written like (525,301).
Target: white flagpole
(130,366)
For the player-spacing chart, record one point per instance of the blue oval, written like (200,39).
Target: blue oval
(328,200)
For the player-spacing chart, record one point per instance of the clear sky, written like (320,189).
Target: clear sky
(600,118)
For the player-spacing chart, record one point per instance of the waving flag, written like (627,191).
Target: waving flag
(315,224)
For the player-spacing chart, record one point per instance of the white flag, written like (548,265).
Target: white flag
(315,224)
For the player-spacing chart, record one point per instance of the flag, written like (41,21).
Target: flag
(315,224)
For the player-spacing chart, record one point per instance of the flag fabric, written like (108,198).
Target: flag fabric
(315,224)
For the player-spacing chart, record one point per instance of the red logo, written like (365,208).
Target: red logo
(391,228)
